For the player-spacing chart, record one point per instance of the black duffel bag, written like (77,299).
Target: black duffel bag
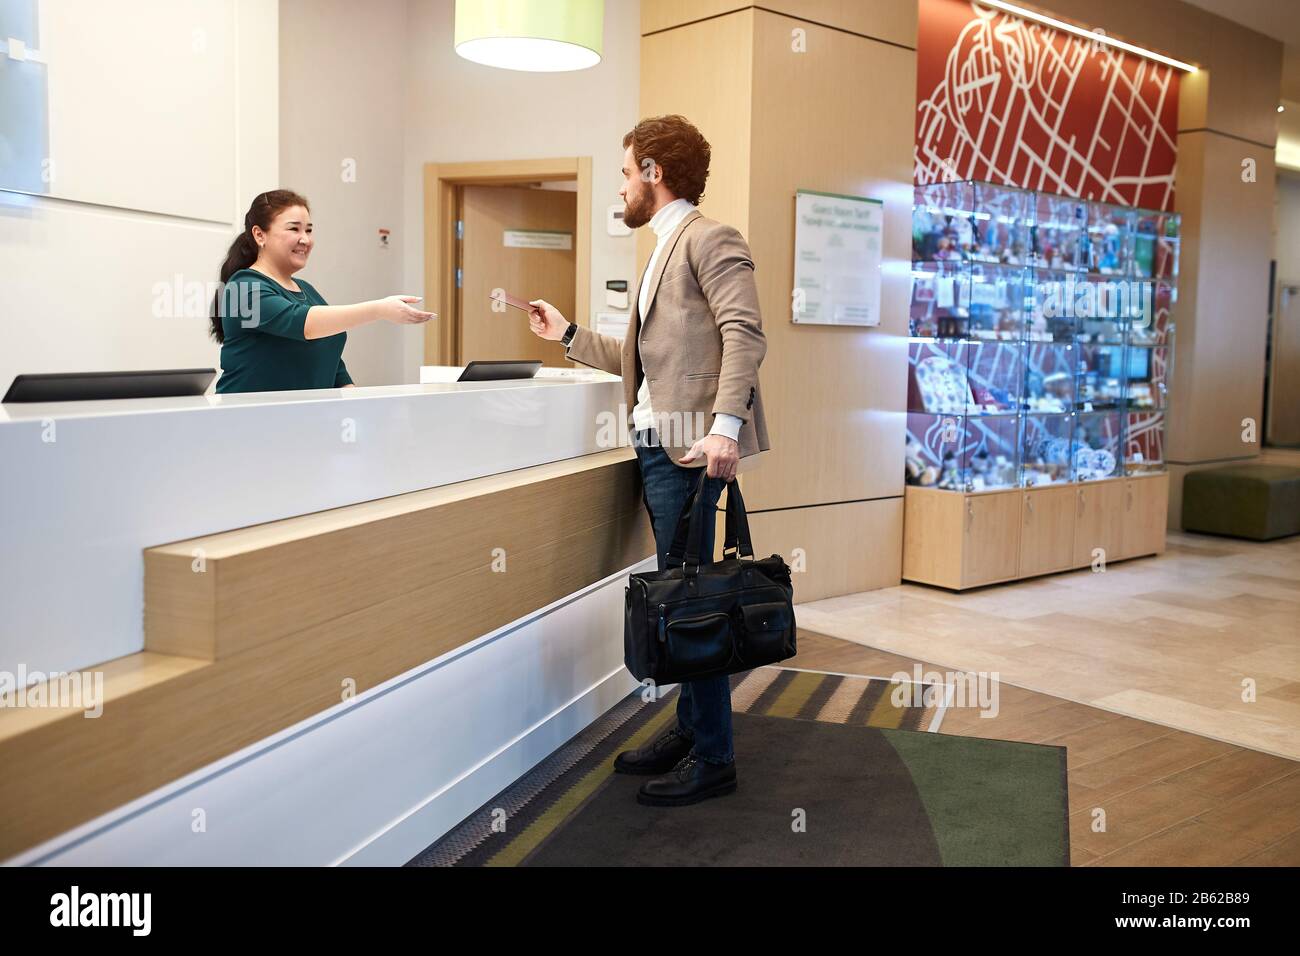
(692,620)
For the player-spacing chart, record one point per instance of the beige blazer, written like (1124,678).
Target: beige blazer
(699,344)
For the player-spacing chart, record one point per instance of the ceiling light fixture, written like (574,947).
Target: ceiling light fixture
(539,36)
(1094,36)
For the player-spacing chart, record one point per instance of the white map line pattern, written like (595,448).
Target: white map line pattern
(1006,77)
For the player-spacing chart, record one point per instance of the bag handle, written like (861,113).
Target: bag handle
(688,539)
(689,535)
(737,540)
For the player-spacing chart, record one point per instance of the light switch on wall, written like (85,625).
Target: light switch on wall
(614,221)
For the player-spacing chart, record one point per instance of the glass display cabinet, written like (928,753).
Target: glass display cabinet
(1039,361)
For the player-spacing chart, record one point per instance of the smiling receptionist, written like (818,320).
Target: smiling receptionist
(276,332)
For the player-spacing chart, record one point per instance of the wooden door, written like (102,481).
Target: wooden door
(1099,521)
(487,262)
(1046,529)
(990,538)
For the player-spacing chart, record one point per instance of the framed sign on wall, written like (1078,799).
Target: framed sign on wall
(837,243)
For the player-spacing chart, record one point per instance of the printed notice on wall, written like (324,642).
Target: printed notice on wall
(836,259)
(537,239)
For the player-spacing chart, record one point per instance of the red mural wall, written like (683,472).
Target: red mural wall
(1011,101)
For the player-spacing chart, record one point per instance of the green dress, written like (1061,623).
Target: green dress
(265,349)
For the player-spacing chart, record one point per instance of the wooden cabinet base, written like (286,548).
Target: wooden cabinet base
(962,540)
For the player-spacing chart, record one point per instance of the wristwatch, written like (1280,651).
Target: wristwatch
(569,333)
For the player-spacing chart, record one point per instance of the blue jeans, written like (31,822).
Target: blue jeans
(703,706)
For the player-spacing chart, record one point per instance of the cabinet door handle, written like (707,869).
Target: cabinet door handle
(1129,506)
(1029,503)
(1081,502)
(970,514)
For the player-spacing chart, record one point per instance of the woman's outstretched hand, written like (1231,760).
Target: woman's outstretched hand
(400,310)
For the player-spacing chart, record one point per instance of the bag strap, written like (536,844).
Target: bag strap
(737,540)
(688,539)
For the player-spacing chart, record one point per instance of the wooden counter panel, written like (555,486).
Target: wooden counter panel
(564,526)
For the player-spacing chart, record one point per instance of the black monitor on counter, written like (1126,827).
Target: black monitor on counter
(496,370)
(97,386)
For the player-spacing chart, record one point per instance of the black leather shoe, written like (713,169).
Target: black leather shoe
(658,756)
(690,781)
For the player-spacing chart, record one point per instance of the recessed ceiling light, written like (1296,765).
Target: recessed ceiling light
(1092,35)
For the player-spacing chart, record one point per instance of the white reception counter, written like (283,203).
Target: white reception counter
(86,486)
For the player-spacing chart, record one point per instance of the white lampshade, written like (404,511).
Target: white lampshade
(541,36)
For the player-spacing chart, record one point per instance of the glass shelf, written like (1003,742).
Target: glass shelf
(1148,369)
(1097,446)
(1045,449)
(1060,233)
(1041,343)
(1144,442)
(962,453)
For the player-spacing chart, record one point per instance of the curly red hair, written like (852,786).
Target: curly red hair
(679,149)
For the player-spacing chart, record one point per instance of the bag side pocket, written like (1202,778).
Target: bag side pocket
(766,633)
(698,644)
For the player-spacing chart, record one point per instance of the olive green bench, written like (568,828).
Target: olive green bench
(1260,502)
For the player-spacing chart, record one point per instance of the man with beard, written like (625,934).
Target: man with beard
(690,361)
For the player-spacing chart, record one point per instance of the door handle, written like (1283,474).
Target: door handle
(1081,502)
(970,514)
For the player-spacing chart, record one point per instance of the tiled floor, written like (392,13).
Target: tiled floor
(1204,639)
(1141,794)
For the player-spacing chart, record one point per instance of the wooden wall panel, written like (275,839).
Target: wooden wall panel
(273,580)
(1222,309)
(837,118)
(704,72)
(846,547)
(891,20)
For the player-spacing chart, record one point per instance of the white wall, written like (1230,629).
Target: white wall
(459,111)
(343,77)
(80,283)
(319,82)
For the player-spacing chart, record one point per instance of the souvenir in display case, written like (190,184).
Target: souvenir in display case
(1004,222)
(1151,321)
(1109,245)
(1051,306)
(969,300)
(1148,370)
(1046,455)
(1039,359)
(1100,341)
(943,225)
(1041,333)
(1060,233)
(1155,244)
(964,398)
(1097,451)
(1144,443)
(1050,377)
